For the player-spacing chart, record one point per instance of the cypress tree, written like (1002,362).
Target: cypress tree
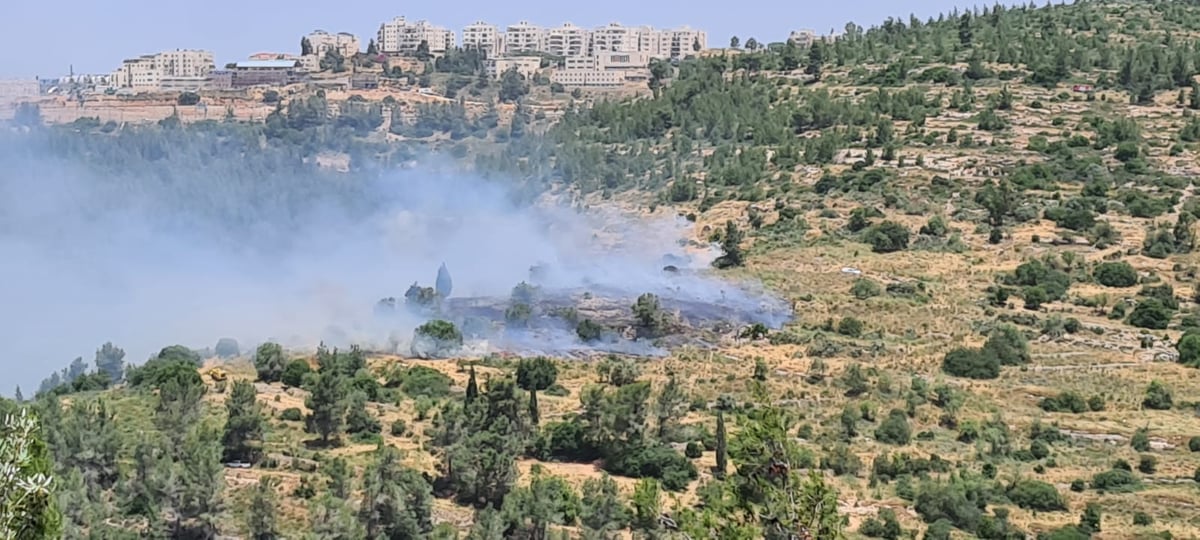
(472,387)
(533,407)
(722,455)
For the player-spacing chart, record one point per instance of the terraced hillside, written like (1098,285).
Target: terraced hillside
(985,222)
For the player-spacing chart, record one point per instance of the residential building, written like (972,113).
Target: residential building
(678,43)
(401,36)
(344,43)
(140,73)
(617,38)
(182,84)
(146,72)
(567,40)
(802,38)
(527,66)
(484,37)
(264,72)
(523,37)
(220,79)
(587,77)
(18,89)
(603,69)
(308,62)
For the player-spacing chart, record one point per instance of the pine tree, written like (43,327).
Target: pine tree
(110,360)
(722,447)
(18,396)
(244,427)
(397,502)
(669,407)
(327,405)
(262,519)
(1194,102)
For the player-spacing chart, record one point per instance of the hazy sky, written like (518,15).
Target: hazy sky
(40,38)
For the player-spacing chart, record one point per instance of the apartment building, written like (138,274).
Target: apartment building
(617,38)
(346,44)
(523,37)
(802,38)
(401,36)
(146,72)
(603,69)
(141,73)
(567,40)
(484,37)
(527,66)
(677,43)
(12,90)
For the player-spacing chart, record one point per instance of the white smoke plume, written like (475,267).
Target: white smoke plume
(102,254)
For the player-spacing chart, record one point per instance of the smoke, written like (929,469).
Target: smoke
(183,253)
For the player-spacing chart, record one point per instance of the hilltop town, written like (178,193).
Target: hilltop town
(414,57)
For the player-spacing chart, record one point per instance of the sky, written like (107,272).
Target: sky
(44,39)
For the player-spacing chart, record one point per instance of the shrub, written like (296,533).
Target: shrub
(883,525)
(653,461)
(1008,345)
(1151,314)
(1114,480)
(971,364)
(291,414)
(1115,274)
(1039,449)
(894,429)
(293,374)
(1189,350)
(179,353)
(864,288)
(693,450)
(1141,440)
(1142,519)
(188,99)
(399,428)
(425,381)
(157,371)
(1065,402)
(588,330)
(939,530)
(887,237)
(1078,485)
(435,339)
(1147,464)
(849,326)
(1096,403)
(1194,444)
(1036,495)
(269,362)
(564,441)
(1158,397)
(840,460)
(936,226)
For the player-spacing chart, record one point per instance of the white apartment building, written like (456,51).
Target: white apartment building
(527,66)
(400,36)
(603,69)
(523,37)
(617,38)
(802,38)
(484,37)
(677,43)
(346,44)
(567,40)
(146,72)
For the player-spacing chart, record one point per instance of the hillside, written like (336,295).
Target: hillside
(986,223)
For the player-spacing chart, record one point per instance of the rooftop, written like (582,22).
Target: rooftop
(265,64)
